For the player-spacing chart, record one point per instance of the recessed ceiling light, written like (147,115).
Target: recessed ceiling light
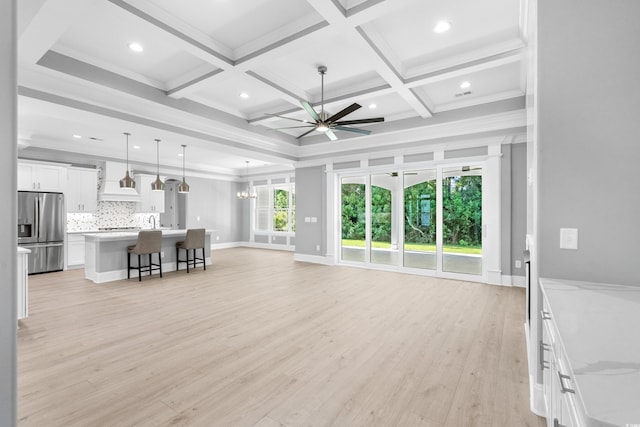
(180,154)
(465,85)
(136,147)
(244,95)
(442,27)
(136,47)
(77,136)
(372,106)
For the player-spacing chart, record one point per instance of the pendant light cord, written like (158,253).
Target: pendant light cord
(127,134)
(157,157)
(183,159)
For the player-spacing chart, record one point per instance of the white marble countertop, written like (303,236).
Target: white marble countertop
(599,327)
(125,235)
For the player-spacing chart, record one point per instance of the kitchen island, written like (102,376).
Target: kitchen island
(106,253)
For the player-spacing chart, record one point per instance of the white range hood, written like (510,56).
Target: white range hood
(110,190)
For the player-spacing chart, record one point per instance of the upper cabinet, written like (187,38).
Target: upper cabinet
(150,201)
(82,190)
(34,176)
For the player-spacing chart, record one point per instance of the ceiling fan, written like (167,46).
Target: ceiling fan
(322,122)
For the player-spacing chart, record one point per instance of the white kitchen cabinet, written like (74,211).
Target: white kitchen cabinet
(82,190)
(34,176)
(560,392)
(75,250)
(150,201)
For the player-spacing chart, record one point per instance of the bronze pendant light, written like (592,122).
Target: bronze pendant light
(157,185)
(183,187)
(127,181)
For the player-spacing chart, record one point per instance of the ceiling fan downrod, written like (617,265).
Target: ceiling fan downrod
(322,70)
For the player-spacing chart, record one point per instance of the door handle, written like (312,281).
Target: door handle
(543,363)
(564,389)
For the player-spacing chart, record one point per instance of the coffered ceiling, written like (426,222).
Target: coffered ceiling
(78,76)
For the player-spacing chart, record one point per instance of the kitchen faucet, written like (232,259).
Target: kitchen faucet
(154,221)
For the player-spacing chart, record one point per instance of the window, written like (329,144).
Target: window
(275,208)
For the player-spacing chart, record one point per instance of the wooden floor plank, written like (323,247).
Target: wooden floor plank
(261,340)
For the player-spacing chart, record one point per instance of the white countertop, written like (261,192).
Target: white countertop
(599,327)
(122,235)
(22,250)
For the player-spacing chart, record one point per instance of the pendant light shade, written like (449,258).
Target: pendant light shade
(157,185)
(127,181)
(183,187)
(247,194)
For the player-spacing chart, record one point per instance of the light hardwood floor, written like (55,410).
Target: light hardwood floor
(261,340)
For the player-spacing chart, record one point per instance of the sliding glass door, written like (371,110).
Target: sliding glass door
(428,219)
(353,221)
(384,229)
(420,219)
(462,220)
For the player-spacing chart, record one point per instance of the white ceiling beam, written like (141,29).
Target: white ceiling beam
(47,25)
(335,15)
(196,43)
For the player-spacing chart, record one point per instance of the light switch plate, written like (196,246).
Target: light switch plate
(568,238)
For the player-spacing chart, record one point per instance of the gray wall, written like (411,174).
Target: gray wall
(311,197)
(215,204)
(505,211)
(244,207)
(588,124)
(8,138)
(518,230)
(514,207)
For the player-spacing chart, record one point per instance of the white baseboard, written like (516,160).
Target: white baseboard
(316,259)
(227,245)
(110,276)
(268,246)
(538,406)
(515,281)
(494,277)
(536,391)
(519,281)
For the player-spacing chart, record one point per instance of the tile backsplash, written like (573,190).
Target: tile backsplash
(110,214)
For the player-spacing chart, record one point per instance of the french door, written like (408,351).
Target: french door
(426,220)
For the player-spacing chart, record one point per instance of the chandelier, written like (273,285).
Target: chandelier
(248,193)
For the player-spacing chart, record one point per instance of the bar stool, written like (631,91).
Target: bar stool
(149,242)
(193,241)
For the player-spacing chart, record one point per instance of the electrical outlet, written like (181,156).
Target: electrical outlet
(317,247)
(162,254)
(217,237)
(518,263)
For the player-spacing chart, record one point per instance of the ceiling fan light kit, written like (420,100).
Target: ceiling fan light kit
(326,124)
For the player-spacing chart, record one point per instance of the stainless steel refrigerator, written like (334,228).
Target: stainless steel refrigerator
(41,226)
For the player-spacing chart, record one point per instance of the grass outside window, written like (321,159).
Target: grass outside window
(469,250)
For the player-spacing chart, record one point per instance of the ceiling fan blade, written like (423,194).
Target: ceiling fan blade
(306,133)
(332,136)
(362,131)
(292,127)
(340,114)
(310,110)
(284,117)
(361,121)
